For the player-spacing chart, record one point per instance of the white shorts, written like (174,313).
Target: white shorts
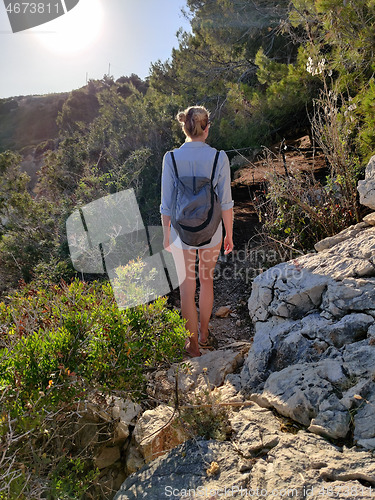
(215,240)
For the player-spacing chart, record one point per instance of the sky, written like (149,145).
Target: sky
(96,37)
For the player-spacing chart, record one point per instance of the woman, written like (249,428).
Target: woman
(195,157)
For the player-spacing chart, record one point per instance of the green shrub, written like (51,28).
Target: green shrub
(297,210)
(57,345)
(78,328)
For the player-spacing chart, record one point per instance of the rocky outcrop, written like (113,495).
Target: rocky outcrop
(261,461)
(366,188)
(313,361)
(313,355)
(208,370)
(158,431)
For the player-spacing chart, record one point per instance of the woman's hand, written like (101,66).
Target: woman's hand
(166,223)
(228,244)
(166,243)
(228,224)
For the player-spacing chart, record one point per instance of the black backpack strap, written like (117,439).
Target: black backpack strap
(214,167)
(174,164)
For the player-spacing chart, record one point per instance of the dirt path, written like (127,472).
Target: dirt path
(234,273)
(232,280)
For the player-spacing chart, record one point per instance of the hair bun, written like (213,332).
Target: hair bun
(181,117)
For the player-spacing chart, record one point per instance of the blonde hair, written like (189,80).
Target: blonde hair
(194,120)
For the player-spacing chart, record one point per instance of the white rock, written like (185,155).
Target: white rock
(134,459)
(255,429)
(301,465)
(208,370)
(158,431)
(370,219)
(366,188)
(344,235)
(125,413)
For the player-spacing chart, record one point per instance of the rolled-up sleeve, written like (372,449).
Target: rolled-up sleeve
(167,184)
(223,184)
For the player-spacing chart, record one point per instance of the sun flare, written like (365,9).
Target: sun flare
(75,31)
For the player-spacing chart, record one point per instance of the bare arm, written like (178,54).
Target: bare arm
(166,223)
(228,225)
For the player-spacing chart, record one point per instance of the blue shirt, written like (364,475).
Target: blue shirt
(196,158)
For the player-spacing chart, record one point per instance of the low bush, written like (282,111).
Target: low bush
(297,210)
(58,343)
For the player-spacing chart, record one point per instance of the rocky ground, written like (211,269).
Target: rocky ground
(285,405)
(292,417)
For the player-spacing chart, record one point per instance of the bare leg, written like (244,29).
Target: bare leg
(185,267)
(207,261)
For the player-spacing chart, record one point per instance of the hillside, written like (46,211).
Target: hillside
(26,121)
(28,126)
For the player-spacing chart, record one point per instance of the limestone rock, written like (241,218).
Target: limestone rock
(229,392)
(311,315)
(256,430)
(349,295)
(365,434)
(279,465)
(370,219)
(307,466)
(184,469)
(344,235)
(134,459)
(158,431)
(125,413)
(209,369)
(366,188)
(110,480)
(298,391)
(223,312)
(332,420)
(286,290)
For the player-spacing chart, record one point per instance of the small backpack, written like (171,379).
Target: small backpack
(196,209)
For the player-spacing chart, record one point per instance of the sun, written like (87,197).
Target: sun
(75,31)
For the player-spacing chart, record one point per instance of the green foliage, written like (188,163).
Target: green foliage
(81,107)
(57,344)
(71,479)
(268,69)
(26,121)
(364,103)
(27,226)
(340,37)
(78,328)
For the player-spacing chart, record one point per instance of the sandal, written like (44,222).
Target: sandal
(210,343)
(189,354)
